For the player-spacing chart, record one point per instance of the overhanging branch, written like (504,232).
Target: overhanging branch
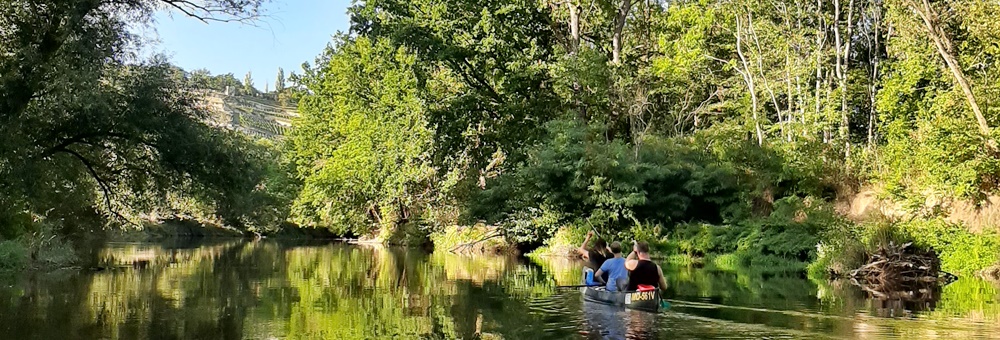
(217,11)
(106,189)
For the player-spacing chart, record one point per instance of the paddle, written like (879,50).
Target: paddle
(594,229)
(579,286)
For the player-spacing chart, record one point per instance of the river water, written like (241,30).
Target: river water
(275,290)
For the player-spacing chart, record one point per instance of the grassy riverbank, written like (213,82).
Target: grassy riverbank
(831,246)
(668,250)
(785,240)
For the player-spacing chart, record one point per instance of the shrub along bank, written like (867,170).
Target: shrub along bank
(785,240)
(829,249)
(765,208)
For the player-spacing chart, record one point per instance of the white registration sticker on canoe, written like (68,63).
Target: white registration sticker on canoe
(639,296)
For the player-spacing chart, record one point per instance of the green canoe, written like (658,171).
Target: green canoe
(649,301)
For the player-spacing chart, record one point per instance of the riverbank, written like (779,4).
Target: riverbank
(47,249)
(667,250)
(824,245)
(800,235)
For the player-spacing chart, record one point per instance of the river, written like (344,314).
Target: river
(280,290)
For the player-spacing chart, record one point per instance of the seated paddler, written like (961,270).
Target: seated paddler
(594,256)
(643,273)
(613,270)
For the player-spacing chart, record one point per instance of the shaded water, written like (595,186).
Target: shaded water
(271,290)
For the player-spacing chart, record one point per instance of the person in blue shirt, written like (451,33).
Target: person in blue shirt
(615,268)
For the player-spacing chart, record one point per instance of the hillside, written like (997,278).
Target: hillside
(253,115)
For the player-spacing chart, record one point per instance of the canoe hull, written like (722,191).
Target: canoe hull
(644,301)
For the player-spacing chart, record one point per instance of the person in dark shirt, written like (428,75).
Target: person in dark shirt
(596,255)
(642,270)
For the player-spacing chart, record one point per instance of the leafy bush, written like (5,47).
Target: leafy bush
(564,241)
(961,251)
(361,146)
(791,233)
(609,184)
(931,144)
(13,255)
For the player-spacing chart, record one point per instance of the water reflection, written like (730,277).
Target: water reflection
(273,290)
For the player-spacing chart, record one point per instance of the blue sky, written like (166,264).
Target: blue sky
(292,32)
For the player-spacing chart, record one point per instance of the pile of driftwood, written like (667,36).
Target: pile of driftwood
(901,278)
(901,267)
(992,273)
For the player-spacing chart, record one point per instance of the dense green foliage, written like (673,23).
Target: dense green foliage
(86,130)
(721,126)
(706,126)
(931,141)
(203,79)
(362,145)
(577,174)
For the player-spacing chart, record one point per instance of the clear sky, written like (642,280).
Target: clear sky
(292,32)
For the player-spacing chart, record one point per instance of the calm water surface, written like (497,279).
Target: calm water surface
(274,290)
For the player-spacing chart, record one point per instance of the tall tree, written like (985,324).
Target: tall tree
(80,119)
(618,28)
(935,29)
(362,142)
(498,53)
(279,84)
(248,89)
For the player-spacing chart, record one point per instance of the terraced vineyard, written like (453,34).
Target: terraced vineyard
(255,116)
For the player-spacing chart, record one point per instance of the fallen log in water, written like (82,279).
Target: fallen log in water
(477,245)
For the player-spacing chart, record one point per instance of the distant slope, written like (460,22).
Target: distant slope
(255,116)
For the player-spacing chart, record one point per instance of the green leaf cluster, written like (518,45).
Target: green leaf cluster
(362,145)
(89,133)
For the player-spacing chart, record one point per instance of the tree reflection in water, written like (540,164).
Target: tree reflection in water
(271,289)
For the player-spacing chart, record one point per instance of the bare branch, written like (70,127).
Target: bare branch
(106,190)
(243,11)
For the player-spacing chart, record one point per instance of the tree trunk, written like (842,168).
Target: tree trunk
(616,40)
(801,104)
(800,11)
(828,134)
(877,25)
(760,64)
(838,56)
(790,101)
(946,50)
(574,26)
(820,39)
(843,60)
(748,78)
